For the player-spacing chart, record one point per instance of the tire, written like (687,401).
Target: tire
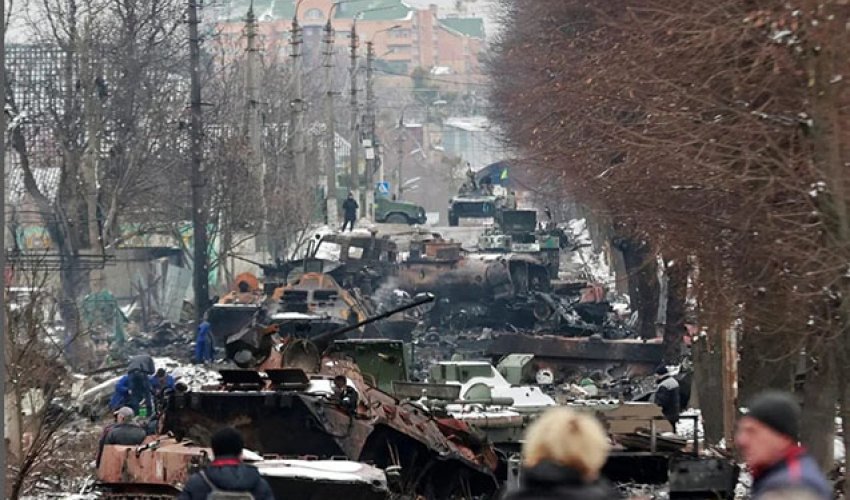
(397,218)
(453,221)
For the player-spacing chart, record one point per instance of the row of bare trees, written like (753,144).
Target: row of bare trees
(713,134)
(109,115)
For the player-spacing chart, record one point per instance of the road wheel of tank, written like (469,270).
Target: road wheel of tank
(397,219)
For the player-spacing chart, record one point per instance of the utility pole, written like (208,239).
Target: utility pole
(199,215)
(252,106)
(330,128)
(369,188)
(398,169)
(253,123)
(354,164)
(298,104)
(3,284)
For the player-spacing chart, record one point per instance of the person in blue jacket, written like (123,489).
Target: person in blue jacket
(161,381)
(121,396)
(204,347)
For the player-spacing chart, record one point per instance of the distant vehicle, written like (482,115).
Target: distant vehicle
(390,211)
(397,211)
(472,206)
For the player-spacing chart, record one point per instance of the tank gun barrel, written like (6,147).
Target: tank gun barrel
(328,337)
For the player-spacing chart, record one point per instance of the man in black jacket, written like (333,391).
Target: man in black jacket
(668,396)
(123,432)
(349,208)
(227,472)
(139,370)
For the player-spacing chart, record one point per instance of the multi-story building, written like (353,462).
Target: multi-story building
(404,38)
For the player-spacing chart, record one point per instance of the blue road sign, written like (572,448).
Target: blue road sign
(384,187)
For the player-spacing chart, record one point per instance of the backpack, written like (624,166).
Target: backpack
(219,494)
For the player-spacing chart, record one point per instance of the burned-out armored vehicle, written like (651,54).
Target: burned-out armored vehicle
(285,401)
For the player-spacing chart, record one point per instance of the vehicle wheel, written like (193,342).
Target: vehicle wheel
(397,219)
(453,221)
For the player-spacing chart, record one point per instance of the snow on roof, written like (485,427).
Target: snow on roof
(47,179)
(469,123)
(441,70)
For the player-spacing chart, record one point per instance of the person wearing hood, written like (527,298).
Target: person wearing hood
(138,370)
(768,439)
(667,395)
(562,457)
(227,472)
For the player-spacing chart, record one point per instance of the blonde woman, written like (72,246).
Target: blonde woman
(563,453)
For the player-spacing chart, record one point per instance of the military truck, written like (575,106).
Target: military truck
(388,210)
(397,211)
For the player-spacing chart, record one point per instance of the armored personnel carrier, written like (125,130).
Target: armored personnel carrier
(286,400)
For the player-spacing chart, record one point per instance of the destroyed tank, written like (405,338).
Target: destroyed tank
(310,443)
(487,288)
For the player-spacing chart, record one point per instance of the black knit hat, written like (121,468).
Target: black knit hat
(227,443)
(777,410)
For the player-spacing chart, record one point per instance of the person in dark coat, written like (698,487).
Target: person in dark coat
(768,439)
(123,432)
(204,346)
(667,395)
(227,472)
(138,370)
(344,394)
(562,456)
(349,208)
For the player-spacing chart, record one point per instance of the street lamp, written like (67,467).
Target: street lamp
(393,27)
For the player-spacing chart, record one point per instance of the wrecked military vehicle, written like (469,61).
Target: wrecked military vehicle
(284,401)
(484,288)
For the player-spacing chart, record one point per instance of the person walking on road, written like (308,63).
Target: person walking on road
(227,476)
(349,208)
(768,439)
(562,457)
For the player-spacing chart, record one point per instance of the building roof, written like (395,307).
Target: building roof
(370,10)
(373,10)
(468,26)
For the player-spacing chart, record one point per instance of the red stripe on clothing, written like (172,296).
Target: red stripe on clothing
(226,461)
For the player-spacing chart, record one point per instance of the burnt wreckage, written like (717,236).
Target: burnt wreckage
(283,401)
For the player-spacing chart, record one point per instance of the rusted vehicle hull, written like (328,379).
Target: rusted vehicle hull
(381,433)
(475,277)
(160,468)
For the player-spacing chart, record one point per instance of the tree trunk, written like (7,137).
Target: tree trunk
(707,383)
(765,364)
(674,327)
(817,424)
(72,279)
(643,283)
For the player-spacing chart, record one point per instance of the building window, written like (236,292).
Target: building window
(314,15)
(401,33)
